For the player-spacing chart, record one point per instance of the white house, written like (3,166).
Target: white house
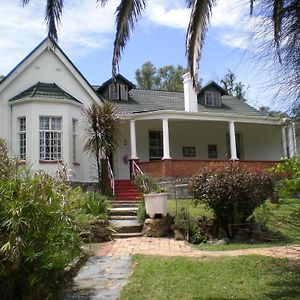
(165,133)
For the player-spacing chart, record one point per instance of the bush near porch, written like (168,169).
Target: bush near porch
(232,193)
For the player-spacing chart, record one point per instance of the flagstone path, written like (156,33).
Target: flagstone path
(107,271)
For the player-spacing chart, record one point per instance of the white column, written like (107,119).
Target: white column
(232,141)
(294,139)
(133,140)
(283,137)
(291,143)
(166,141)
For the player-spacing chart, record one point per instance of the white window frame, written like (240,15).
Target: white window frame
(50,138)
(215,100)
(22,137)
(74,138)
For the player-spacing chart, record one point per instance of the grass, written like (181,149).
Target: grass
(244,277)
(195,211)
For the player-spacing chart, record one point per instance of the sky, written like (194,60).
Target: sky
(87,32)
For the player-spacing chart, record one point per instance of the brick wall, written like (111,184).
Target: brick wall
(187,168)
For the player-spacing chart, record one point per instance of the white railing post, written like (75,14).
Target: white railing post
(111,177)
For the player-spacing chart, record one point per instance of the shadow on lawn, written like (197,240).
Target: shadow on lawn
(287,283)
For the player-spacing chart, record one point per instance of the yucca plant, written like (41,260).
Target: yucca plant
(102,133)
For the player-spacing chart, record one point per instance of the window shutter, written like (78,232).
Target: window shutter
(124,92)
(114,92)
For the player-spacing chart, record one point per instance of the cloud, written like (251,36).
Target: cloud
(85,28)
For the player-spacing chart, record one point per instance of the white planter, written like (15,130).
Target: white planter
(156,204)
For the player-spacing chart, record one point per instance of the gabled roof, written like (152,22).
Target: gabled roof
(212,84)
(141,101)
(50,44)
(118,77)
(44,90)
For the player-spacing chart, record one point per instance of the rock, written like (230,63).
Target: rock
(158,227)
(179,235)
(223,241)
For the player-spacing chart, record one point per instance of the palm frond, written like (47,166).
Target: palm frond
(102,2)
(54,9)
(127,14)
(251,7)
(189,3)
(199,20)
(277,22)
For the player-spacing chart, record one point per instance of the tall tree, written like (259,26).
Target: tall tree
(167,78)
(146,77)
(233,88)
(102,133)
(282,16)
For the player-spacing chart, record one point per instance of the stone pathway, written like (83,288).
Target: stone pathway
(100,278)
(105,273)
(170,247)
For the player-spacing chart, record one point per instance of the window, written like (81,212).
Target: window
(22,137)
(50,138)
(212,151)
(124,92)
(74,135)
(213,99)
(114,91)
(238,141)
(155,144)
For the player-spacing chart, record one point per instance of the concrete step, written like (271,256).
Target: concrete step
(122,217)
(126,235)
(123,211)
(126,226)
(115,204)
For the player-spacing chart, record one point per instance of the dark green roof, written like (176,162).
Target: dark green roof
(44,90)
(150,100)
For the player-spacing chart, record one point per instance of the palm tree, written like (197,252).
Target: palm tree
(102,132)
(285,16)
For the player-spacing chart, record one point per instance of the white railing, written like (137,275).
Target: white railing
(111,177)
(136,169)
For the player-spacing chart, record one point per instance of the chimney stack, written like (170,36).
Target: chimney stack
(190,96)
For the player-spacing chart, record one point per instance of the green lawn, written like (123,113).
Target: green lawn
(244,277)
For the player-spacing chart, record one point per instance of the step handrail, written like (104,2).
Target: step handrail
(136,169)
(111,177)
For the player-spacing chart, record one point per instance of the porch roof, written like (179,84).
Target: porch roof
(143,101)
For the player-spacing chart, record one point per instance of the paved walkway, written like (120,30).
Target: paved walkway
(170,247)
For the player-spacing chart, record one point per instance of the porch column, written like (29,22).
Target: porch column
(133,140)
(232,141)
(283,137)
(292,140)
(166,141)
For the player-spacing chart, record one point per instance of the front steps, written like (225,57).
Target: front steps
(123,219)
(126,190)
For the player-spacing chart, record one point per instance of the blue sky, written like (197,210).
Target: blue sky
(87,33)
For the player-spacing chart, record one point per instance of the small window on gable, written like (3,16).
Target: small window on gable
(114,91)
(213,99)
(124,92)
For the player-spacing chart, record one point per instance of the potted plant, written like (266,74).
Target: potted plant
(155,196)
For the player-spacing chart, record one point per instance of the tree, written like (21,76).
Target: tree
(273,113)
(102,131)
(283,16)
(146,77)
(233,88)
(167,78)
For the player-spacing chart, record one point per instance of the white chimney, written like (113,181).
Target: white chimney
(190,96)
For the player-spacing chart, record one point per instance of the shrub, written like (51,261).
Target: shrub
(232,192)
(96,205)
(146,184)
(290,184)
(141,212)
(37,237)
(7,164)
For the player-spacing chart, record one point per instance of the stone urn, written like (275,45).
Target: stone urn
(156,204)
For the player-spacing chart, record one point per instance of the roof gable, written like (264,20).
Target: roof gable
(212,85)
(49,45)
(118,79)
